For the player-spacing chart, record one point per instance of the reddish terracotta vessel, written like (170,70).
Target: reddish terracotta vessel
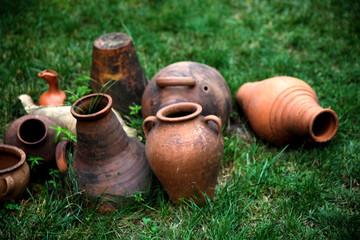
(285,109)
(188,82)
(32,134)
(114,58)
(14,172)
(184,150)
(107,162)
(54,96)
(62,149)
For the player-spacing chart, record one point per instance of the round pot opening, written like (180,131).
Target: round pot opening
(324,126)
(32,131)
(91,105)
(10,158)
(179,112)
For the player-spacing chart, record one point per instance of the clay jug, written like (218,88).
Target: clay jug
(107,162)
(284,109)
(188,82)
(14,172)
(184,150)
(32,134)
(114,58)
(54,96)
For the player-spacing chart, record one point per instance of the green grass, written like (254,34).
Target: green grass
(264,192)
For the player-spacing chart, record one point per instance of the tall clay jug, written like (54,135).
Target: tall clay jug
(54,96)
(107,162)
(284,109)
(14,172)
(188,82)
(184,150)
(114,58)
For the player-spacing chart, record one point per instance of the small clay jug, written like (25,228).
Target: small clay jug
(188,82)
(285,110)
(14,172)
(107,162)
(54,96)
(32,134)
(184,150)
(114,58)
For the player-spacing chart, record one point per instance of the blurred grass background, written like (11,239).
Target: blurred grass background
(264,192)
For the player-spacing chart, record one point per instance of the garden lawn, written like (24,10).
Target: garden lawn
(264,192)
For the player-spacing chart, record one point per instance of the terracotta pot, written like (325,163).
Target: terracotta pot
(62,149)
(54,96)
(184,150)
(14,172)
(32,134)
(285,109)
(114,58)
(107,162)
(188,82)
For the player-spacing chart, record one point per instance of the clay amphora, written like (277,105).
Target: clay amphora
(32,134)
(184,150)
(284,109)
(54,96)
(14,172)
(107,162)
(188,82)
(114,58)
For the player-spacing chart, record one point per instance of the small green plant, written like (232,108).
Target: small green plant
(66,134)
(34,161)
(154,228)
(135,120)
(54,173)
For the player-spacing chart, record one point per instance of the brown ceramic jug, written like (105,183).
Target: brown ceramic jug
(114,58)
(32,134)
(54,96)
(107,162)
(14,172)
(184,150)
(188,82)
(284,109)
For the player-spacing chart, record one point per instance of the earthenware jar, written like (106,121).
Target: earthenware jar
(54,96)
(114,58)
(32,134)
(188,82)
(107,162)
(14,172)
(284,109)
(184,150)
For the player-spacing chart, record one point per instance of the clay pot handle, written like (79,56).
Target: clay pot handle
(216,120)
(60,155)
(149,119)
(162,82)
(10,185)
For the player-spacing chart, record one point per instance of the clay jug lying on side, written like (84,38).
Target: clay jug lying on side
(184,149)
(188,82)
(107,162)
(284,109)
(14,172)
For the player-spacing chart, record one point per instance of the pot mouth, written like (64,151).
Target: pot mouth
(91,106)
(32,131)
(11,157)
(178,112)
(324,125)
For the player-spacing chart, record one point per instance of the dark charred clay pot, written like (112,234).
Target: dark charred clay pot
(32,134)
(188,82)
(114,58)
(107,162)
(14,172)
(184,150)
